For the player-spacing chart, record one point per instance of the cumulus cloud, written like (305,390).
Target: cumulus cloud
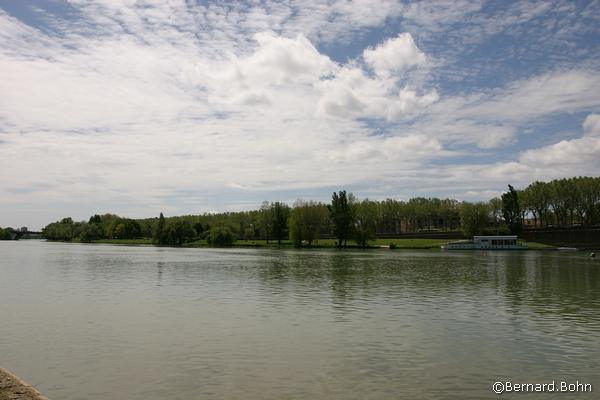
(394,55)
(576,155)
(135,109)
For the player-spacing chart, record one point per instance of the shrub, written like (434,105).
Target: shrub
(220,236)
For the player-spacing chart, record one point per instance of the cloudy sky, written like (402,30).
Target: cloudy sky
(138,107)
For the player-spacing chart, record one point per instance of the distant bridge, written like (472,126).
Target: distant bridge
(16,235)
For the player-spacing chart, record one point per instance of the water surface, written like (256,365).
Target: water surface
(114,322)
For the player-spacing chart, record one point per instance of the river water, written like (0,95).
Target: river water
(115,322)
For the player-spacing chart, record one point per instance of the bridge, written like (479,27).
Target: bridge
(16,235)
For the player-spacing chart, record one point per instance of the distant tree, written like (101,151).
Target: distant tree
(266,220)
(159,233)
(249,232)
(307,220)
(5,234)
(474,218)
(391,214)
(280,214)
(95,219)
(538,196)
(511,210)
(178,231)
(340,212)
(495,207)
(198,227)
(62,230)
(89,233)
(365,219)
(221,236)
(588,202)
(126,228)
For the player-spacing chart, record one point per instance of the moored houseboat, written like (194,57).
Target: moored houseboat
(500,242)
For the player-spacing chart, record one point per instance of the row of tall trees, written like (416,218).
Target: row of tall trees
(559,203)
(564,202)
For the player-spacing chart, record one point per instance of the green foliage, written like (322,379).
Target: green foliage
(265,220)
(340,212)
(125,228)
(561,203)
(95,219)
(62,230)
(90,232)
(249,233)
(177,232)
(220,236)
(6,234)
(511,210)
(307,220)
(365,218)
(281,213)
(474,218)
(159,233)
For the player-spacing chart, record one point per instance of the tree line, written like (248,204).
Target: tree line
(558,203)
(6,233)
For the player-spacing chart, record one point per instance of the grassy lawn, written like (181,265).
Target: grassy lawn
(536,245)
(330,243)
(124,241)
(413,243)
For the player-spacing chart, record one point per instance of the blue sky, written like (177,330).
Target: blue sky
(188,107)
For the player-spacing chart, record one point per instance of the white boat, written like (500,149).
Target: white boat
(500,242)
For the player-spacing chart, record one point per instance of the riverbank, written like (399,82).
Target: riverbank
(13,388)
(397,243)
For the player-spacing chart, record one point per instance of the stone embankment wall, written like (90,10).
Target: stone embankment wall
(13,388)
(588,238)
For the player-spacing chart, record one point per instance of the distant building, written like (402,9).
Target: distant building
(24,229)
(503,242)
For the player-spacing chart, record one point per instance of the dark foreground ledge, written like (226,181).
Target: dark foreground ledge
(13,388)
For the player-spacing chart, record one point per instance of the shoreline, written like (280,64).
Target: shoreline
(380,244)
(14,388)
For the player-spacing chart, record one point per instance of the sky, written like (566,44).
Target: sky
(187,107)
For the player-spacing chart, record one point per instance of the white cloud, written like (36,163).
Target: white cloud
(591,125)
(136,109)
(580,155)
(394,55)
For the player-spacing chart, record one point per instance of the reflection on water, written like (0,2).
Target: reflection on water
(92,321)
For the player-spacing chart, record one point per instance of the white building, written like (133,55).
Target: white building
(500,242)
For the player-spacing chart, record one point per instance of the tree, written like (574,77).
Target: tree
(178,231)
(5,234)
(221,236)
(95,219)
(340,212)
(588,199)
(365,219)
(280,214)
(307,220)
(62,230)
(266,220)
(495,207)
(474,218)
(89,233)
(125,228)
(538,195)
(159,233)
(511,210)
(249,233)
